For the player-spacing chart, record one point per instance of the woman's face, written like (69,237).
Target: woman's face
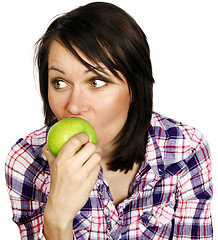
(75,91)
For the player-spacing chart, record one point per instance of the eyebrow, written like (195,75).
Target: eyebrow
(61,71)
(56,69)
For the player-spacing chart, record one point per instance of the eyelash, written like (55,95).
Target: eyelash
(55,81)
(105,81)
(94,79)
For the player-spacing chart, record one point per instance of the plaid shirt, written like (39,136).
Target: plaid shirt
(170,197)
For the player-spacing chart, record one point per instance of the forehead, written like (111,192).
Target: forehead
(58,51)
(59,55)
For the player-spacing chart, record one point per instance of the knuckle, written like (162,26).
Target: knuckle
(79,178)
(75,139)
(97,156)
(92,146)
(78,139)
(58,165)
(99,150)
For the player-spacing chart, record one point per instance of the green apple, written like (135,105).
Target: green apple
(64,129)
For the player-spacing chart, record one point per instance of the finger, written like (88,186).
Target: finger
(93,174)
(72,145)
(83,155)
(92,163)
(49,156)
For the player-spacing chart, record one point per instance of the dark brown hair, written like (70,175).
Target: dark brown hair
(106,34)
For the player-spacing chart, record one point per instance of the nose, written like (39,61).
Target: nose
(77,102)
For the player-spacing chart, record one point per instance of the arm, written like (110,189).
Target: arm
(73,175)
(28,180)
(24,178)
(193,209)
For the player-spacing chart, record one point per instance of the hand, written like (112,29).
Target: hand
(73,175)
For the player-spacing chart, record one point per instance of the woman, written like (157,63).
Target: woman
(149,177)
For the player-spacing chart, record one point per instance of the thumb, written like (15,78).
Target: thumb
(49,156)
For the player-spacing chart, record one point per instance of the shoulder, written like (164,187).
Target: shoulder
(177,141)
(165,128)
(37,138)
(30,143)
(25,159)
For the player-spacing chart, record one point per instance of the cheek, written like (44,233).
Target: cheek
(118,106)
(122,103)
(57,105)
(111,117)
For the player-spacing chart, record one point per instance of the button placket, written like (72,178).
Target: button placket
(120,220)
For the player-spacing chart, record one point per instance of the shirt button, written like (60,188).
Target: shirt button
(115,227)
(106,211)
(108,231)
(121,214)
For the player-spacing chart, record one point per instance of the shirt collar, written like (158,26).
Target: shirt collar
(153,153)
(39,155)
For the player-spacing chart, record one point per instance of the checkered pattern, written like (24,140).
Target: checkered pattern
(170,197)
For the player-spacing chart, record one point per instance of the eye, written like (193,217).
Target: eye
(97,83)
(59,84)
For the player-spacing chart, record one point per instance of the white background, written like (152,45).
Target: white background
(183,40)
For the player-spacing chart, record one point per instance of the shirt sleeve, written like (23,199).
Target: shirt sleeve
(26,182)
(192,218)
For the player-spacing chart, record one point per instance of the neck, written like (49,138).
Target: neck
(106,156)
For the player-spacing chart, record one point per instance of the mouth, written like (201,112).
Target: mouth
(78,116)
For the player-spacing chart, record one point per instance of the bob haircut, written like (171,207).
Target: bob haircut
(106,35)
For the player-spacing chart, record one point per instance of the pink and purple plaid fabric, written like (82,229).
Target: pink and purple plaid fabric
(170,197)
